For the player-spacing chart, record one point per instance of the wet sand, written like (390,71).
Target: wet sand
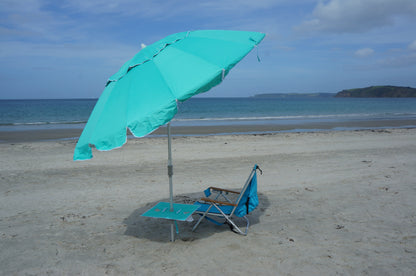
(74,133)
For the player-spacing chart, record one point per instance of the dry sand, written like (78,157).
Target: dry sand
(330,203)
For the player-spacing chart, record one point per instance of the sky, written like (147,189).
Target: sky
(69,48)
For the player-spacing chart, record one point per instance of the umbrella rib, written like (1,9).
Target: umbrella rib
(228,41)
(147,60)
(162,79)
(223,70)
(199,57)
(157,53)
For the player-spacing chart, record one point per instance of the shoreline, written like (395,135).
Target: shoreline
(19,136)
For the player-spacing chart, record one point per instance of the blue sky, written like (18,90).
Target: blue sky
(69,48)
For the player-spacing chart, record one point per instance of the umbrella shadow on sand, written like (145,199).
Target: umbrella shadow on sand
(159,229)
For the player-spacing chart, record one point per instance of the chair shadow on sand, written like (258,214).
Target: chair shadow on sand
(159,229)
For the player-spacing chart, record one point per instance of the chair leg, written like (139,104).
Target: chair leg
(229,221)
(238,230)
(201,218)
(227,218)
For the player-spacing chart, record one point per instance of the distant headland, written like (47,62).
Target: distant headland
(386,91)
(378,92)
(295,95)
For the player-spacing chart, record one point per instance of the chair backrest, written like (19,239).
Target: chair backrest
(247,201)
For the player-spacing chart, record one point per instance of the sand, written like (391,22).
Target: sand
(340,202)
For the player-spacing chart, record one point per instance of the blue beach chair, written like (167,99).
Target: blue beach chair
(219,203)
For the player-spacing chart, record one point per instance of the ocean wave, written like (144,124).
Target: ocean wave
(42,123)
(299,117)
(240,119)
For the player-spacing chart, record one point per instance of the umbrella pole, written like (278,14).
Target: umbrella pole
(170,174)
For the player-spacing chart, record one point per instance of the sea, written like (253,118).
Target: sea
(17,115)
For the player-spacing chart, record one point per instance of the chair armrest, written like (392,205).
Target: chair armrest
(224,190)
(217,201)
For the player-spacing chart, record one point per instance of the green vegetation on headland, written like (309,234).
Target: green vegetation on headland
(379,92)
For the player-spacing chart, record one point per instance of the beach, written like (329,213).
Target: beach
(331,202)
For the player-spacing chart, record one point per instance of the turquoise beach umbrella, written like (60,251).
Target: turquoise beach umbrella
(143,94)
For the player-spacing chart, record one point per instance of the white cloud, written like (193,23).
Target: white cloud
(340,16)
(365,52)
(412,46)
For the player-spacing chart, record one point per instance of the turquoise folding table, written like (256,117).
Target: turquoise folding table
(181,212)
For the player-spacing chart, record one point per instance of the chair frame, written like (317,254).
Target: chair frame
(217,203)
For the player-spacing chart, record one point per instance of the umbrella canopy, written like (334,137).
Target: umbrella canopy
(143,94)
